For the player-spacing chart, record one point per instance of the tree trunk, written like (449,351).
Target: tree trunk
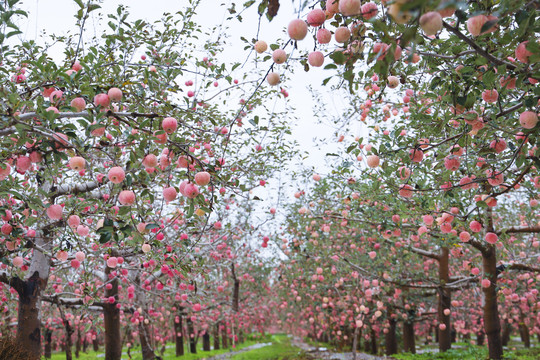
(408,337)
(355,342)
(445,297)
(216,336)
(179,334)
(206,341)
(480,337)
(374,349)
(224,337)
(492,325)
(507,330)
(524,334)
(84,344)
(48,343)
(111,314)
(145,339)
(78,343)
(236,291)
(390,338)
(191,333)
(95,343)
(68,342)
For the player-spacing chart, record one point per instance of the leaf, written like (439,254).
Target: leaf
(92,7)
(151,226)
(191,209)
(273,7)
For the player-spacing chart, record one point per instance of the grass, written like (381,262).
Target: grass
(281,349)
(169,351)
(471,352)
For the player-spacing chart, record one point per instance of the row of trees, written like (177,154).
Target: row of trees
(429,216)
(126,172)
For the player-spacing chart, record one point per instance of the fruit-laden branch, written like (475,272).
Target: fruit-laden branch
(478,245)
(520,229)
(72,302)
(521,267)
(14,281)
(73,189)
(484,53)
(447,57)
(516,181)
(426,253)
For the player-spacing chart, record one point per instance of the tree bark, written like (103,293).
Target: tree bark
(95,343)
(145,339)
(236,291)
(78,343)
(480,337)
(445,297)
(179,334)
(224,337)
(355,342)
(408,337)
(192,340)
(492,325)
(524,334)
(111,314)
(390,338)
(68,342)
(507,330)
(206,341)
(216,336)
(48,343)
(374,348)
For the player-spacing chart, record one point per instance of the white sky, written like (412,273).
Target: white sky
(57,16)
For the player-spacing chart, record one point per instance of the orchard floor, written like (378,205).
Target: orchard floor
(283,347)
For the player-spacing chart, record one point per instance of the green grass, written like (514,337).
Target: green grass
(472,352)
(281,349)
(169,352)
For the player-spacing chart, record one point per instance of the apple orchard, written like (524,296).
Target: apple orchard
(133,178)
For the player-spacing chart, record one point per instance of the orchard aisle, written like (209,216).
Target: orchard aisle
(232,353)
(323,354)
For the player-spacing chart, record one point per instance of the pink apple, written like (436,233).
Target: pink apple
(342,34)
(369,10)
(202,178)
(528,119)
(116,175)
(273,78)
(349,7)
(169,194)
(316,58)
(279,56)
(169,125)
(522,54)
(260,46)
(431,22)
(102,100)
(77,163)
(115,94)
(126,197)
(372,161)
(297,29)
(18,261)
(78,103)
(316,17)
(324,36)
(54,212)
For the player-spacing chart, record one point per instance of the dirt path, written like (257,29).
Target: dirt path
(232,353)
(324,354)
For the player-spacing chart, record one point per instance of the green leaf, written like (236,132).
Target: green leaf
(191,209)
